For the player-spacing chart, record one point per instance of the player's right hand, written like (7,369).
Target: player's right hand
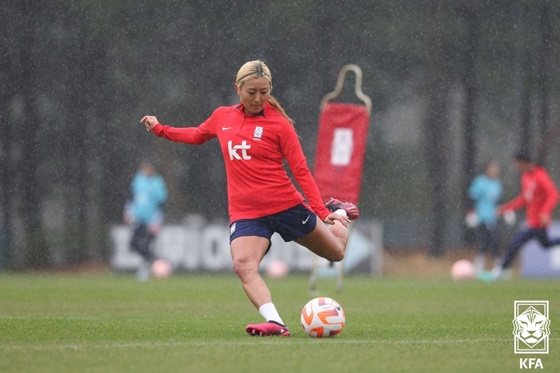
(149,121)
(331,218)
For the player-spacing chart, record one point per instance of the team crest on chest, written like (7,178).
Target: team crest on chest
(257,135)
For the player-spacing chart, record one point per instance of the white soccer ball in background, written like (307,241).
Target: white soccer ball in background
(161,268)
(322,317)
(277,269)
(463,270)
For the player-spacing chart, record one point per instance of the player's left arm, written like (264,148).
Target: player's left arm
(292,151)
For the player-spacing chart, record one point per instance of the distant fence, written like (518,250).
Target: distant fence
(205,248)
(538,262)
(412,231)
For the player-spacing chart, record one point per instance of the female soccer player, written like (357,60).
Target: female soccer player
(256,136)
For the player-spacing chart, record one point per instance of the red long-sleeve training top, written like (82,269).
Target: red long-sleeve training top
(254,149)
(538,193)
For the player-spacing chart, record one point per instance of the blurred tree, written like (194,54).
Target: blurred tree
(30,87)
(77,75)
(8,90)
(107,147)
(81,64)
(470,16)
(437,120)
(524,65)
(544,77)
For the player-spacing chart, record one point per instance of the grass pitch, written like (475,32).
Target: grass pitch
(195,323)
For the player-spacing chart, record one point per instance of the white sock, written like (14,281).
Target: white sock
(268,311)
(497,271)
(479,262)
(341,212)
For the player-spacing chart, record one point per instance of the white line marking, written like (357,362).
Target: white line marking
(39,317)
(253,342)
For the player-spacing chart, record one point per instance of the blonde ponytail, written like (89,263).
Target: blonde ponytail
(275,104)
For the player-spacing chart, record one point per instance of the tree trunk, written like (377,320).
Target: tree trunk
(471,95)
(6,169)
(436,124)
(7,92)
(543,81)
(523,71)
(81,99)
(31,188)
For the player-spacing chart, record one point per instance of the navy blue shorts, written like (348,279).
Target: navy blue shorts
(291,224)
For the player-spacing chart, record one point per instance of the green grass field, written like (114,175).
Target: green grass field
(195,323)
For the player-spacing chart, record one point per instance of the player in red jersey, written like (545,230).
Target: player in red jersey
(539,196)
(255,137)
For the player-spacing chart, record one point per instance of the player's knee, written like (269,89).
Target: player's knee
(243,267)
(238,267)
(337,255)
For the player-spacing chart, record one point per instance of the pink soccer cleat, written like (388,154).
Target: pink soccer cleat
(351,210)
(267,329)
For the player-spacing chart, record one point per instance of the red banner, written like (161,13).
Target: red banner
(341,147)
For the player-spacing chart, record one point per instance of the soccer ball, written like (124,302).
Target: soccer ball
(277,269)
(322,317)
(161,268)
(463,270)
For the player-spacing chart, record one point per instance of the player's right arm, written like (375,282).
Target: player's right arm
(515,204)
(187,135)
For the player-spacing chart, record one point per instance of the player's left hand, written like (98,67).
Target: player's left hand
(331,218)
(545,219)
